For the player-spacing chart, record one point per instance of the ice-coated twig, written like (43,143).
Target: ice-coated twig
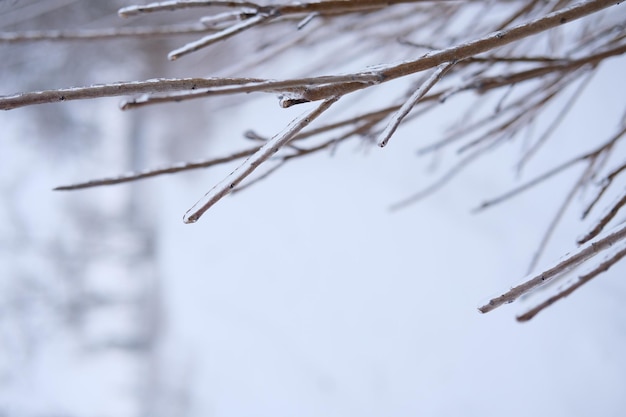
(605,147)
(182,4)
(107,33)
(605,184)
(220,19)
(421,91)
(474,47)
(582,280)
(572,260)
(556,122)
(171,169)
(605,219)
(307,20)
(295,86)
(216,37)
(263,154)
(547,235)
(118,89)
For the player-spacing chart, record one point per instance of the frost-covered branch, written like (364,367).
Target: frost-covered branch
(514,59)
(263,154)
(571,261)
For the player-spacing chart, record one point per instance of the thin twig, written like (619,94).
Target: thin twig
(216,37)
(594,153)
(172,169)
(582,280)
(444,179)
(469,49)
(580,255)
(558,216)
(265,152)
(605,219)
(107,33)
(556,122)
(411,102)
(606,182)
(178,4)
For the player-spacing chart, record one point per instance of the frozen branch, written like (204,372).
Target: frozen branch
(172,169)
(582,280)
(475,47)
(570,262)
(605,219)
(216,37)
(411,102)
(108,33)
(263,154)
(117,89)
(607,146)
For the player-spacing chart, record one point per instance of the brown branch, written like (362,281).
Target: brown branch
(571,261)
(107,33)
(558,216)
(605,147)
(172,169)
(582,280)
(606,182)
(321,7)
(604,220)
(472,48)
(556,122)
(118,89)
(404,110)
(264,153)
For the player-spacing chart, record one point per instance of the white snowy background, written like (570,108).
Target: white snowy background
(304,295)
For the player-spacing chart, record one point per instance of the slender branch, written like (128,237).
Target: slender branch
(342,84)
(580,255)
(606,182)
(295,87)
(411,102)
(265,152)
(178,4)
(108,33)
(216,37)
(118,89)
(321,7)
(558,216)
(594,153)
(475,47)
(605,219)
(444,179)
(582,280)
(556,122)
(196,86)
(172,169)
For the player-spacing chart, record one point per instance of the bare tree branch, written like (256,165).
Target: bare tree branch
(265,152)
(582,280)
(411,102)
(580,255)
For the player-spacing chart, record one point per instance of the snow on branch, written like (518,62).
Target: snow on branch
(263,154)
(569,262)
(499,54)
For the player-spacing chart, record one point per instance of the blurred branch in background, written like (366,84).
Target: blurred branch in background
(525,54)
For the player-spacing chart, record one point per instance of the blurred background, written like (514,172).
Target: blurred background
(303,295)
